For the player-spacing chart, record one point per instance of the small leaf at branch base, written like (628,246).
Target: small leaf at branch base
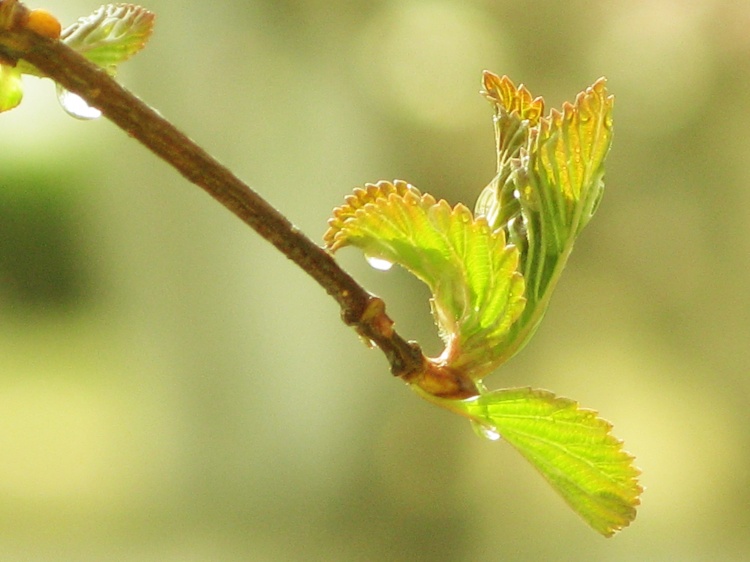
(11,88)
(572,448)
(111,35)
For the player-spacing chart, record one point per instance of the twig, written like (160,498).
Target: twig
(360,309)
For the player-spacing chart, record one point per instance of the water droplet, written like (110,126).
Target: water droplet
(367,341)
(379,263)
(75,106)
(486,431)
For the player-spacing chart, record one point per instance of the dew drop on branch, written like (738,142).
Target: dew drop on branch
(75,106)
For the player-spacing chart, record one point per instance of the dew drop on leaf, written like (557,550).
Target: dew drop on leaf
(75,106)
(379,263)
(486,431)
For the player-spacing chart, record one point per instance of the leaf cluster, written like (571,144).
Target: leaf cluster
(108,37)
(491,276)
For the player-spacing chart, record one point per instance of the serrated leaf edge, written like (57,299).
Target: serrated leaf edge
(505,96)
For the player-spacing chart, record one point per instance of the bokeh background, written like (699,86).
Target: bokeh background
(173,389)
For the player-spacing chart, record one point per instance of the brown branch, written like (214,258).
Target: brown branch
(360,309)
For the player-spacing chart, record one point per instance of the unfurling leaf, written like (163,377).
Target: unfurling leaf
(548,183)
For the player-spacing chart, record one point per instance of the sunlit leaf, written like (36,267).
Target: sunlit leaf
(11,88)
(566,165)
(548,184)
(572,448)
(111,35)
(471,272)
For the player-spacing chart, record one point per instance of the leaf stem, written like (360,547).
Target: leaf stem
(360,309)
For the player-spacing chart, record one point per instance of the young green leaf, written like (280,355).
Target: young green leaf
(572,448)
(11,88)
(566,165)
(111,35)
(470,270)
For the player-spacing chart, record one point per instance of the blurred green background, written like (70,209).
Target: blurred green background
(173,389)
